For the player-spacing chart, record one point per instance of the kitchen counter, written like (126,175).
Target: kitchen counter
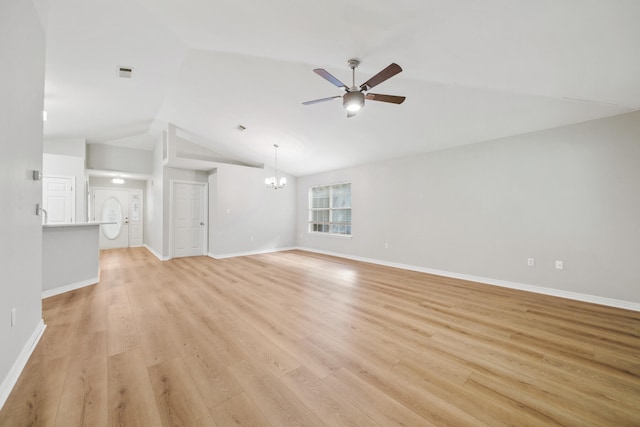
(77,224)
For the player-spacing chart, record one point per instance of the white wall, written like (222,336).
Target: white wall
(22,49)
(570,194)
(245,216)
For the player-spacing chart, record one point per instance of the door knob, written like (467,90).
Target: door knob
(202,223)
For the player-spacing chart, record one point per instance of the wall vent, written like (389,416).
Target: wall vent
(125,72)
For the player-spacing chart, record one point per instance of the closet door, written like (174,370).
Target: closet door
(189,210)
(58,197)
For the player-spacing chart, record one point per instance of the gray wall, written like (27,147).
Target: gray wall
(157,206)
(570,194)
(259,219)
(153,208)
(22,49)
(66,147)
(71,256)
(245,216)
(119,159)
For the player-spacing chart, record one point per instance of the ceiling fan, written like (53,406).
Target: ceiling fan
(353,99)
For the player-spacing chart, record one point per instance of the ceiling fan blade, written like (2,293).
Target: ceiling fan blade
(328,76)
(383,75)
(386,98)
(315,101)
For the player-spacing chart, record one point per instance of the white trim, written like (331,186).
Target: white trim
(14,373)
(157,255)
(71,287)
(260,252)
(627,305)
(330,235)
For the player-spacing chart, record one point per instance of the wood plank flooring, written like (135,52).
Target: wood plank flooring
(300,339)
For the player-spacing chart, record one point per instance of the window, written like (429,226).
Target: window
(330,209)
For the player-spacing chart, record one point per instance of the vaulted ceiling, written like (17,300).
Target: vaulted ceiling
(473,71)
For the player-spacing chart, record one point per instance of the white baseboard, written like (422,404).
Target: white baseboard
(71,287)
(259,252)
(156,254)
(14,373)
(628,305)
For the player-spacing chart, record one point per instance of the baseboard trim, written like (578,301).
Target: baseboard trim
(156,254)
(259,252)
(610,302)
(71,287)
(14,373)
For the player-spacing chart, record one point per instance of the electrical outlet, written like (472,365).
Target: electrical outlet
(559,265)
(531,262)
(386,246)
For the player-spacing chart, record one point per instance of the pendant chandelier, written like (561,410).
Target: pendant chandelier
(273,182)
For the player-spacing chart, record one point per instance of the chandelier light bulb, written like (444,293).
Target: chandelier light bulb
(272,182)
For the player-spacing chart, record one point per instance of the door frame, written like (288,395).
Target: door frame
(205,229)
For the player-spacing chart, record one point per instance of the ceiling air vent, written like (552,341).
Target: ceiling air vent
(125,72)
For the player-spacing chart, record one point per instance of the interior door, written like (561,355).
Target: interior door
(58,197)
(113,206)
(189,207)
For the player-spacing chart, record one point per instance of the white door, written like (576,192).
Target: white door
(113,206)
(58,199)
(135,218)
(189,207)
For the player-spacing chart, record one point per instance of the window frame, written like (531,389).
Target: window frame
(330,223)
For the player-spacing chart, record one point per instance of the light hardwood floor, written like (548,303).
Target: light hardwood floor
(295,338)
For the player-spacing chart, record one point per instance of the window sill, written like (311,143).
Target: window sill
(335,236)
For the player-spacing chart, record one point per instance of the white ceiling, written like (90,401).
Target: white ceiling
(473,70)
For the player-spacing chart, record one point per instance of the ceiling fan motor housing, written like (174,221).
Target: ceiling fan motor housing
(353,101)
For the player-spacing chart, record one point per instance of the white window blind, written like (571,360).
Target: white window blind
(330,209)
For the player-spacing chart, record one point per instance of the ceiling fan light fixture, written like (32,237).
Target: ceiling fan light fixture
(353,101)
